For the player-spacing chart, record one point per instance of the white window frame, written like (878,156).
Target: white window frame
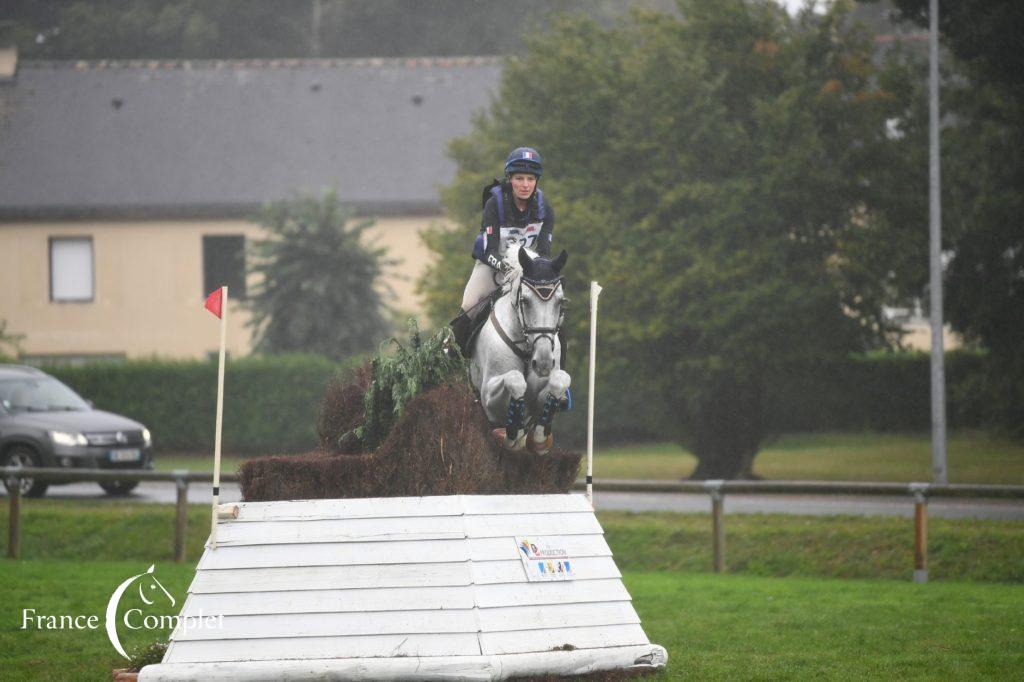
(61,297)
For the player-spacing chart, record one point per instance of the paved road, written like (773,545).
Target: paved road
(816,505)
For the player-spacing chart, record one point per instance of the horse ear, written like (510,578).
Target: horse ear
(524,260)
(559,262)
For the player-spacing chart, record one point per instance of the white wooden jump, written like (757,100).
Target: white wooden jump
(472,587)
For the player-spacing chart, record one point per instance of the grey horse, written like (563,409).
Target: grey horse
(515,359)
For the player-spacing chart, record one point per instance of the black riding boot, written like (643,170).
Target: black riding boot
(462,326)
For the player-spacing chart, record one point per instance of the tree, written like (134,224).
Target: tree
(223,29)
(983,188)
(318,288)
(719,170)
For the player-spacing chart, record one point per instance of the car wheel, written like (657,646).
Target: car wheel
(118,488)
(24,456)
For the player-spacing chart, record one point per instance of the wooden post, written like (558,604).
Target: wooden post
(920,531)
(14,528)
(717,525)
(181,520)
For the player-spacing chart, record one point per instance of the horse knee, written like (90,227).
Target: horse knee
(515,384)
(558,383)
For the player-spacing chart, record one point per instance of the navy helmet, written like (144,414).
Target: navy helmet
(524,160)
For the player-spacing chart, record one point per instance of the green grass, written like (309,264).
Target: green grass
(973,458)
(714,627)
(56,587)
(759,544)
(733,627)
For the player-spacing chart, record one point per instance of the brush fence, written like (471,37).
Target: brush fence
(472,587)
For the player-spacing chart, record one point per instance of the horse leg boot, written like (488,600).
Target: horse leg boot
(510,387)
(541,440)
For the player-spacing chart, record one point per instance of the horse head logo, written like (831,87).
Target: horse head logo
(147,587)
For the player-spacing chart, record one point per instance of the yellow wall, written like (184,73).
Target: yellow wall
(148,292)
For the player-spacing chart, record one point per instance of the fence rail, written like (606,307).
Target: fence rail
(919,493)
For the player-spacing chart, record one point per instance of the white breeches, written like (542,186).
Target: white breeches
(481,283)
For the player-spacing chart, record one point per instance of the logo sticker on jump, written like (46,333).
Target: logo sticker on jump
(544,559)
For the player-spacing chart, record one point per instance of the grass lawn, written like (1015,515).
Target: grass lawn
(973,458)
(714,627)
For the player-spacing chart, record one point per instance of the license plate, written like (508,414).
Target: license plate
(130,455)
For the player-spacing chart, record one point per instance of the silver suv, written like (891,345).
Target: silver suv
(45,423)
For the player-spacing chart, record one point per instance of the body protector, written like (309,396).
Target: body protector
(490,247)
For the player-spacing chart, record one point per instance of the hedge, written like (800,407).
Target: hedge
(864,392)
(271,402)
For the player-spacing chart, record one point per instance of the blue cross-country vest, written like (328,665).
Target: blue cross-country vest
(527,234)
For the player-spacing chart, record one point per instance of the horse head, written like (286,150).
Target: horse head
(539,301)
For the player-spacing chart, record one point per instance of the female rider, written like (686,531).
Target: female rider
(514,211)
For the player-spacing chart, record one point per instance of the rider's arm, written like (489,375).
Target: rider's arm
(543,245)
(492,233)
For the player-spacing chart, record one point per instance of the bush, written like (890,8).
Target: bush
(270,402)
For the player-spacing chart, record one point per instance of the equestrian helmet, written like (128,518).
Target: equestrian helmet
(524,160)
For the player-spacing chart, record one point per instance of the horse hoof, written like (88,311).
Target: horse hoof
(539,447)
(498,436)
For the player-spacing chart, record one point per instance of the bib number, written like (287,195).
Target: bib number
(525,236)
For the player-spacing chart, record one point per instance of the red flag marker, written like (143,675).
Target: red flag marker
(214,301)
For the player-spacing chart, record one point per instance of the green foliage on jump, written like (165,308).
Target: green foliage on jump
(400,375)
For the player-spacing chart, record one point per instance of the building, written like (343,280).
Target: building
(127,189)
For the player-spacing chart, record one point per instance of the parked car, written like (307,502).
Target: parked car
(43,423)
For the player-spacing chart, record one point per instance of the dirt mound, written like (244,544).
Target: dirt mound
(439,446)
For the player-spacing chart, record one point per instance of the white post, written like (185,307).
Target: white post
(220,415)
(938,371)
(595,292)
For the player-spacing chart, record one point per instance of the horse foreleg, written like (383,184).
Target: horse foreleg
(511,386)
(541,440)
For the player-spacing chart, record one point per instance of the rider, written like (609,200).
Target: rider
(514,210)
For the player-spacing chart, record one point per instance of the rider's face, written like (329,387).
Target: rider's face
(523,185)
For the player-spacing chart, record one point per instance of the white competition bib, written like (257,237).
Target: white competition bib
(525,236)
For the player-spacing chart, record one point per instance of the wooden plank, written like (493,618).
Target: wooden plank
(359,508)
(325,647)
(528,594)
(510,525)
(336,554)
(475,505)
(333,577)
(587,568)
(333,601)
(341,530)
(524,641)
(331,624)
(399,551)
(550,616)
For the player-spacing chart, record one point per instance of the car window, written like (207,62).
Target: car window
(43,394)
